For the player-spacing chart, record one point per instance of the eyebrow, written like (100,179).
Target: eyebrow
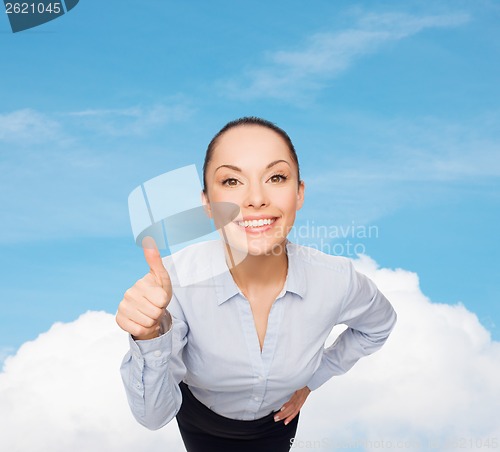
(235,168)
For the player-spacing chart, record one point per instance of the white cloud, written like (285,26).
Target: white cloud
(61,179)
(288,74)
(376,165)
(435,379)
(28,127)
(133,121)
(132,112)
(433,149)
(63,392)
(4,353)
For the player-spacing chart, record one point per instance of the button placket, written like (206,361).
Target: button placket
(272,334)
(252,341)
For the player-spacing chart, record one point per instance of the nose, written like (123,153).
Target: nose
(256,196)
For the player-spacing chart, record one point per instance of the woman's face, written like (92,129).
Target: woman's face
(251,168)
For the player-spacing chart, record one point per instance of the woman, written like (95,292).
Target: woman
(235,357)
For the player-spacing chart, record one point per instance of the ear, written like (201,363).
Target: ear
(206,204)
(300,194)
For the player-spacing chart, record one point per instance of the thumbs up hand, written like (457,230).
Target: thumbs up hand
(143,305)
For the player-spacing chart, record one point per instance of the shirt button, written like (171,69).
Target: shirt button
(261,378)
(157,353)
(256,399)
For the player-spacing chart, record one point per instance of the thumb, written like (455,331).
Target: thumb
(153,258)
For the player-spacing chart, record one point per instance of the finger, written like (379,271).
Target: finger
(145,297)
(155,262)
(290,405)
(155,297)
(285,411)
(137,315)
(143,320)
(136,330)
(153,309)
(291,418)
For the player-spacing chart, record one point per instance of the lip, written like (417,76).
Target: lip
(256,217)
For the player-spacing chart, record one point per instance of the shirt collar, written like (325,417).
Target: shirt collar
(296,278)
(295,282)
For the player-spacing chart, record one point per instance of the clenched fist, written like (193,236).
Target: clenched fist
(143,305)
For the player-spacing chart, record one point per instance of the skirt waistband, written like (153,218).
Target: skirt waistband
(198,417)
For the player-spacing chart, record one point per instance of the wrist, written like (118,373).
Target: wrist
(147,337)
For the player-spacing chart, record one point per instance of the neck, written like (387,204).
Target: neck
(255,273)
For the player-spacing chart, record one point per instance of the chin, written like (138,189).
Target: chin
(242,250)
(265,249)
(243,244)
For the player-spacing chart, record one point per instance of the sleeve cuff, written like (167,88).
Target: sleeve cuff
(153,352)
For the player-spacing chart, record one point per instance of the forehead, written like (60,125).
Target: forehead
(250,144)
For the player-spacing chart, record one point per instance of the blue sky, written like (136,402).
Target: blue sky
(393,107)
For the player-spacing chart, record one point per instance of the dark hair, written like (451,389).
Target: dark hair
(248,121)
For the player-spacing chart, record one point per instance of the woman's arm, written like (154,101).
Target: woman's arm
(151,372)
(370,319)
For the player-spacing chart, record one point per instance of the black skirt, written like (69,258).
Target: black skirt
(203,430)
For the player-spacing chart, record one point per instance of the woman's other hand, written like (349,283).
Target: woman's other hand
(291,408)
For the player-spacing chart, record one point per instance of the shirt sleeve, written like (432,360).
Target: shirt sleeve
(370,319)
(151,372)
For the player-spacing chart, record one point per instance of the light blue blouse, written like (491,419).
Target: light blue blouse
(212,344)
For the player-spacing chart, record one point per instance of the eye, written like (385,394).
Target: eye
(230,182)
(277,178)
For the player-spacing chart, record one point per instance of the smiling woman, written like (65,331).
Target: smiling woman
(256,168)
(235,357)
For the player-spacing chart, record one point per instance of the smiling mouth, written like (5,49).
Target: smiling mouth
(256,224)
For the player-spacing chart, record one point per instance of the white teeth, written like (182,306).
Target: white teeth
(256,223)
